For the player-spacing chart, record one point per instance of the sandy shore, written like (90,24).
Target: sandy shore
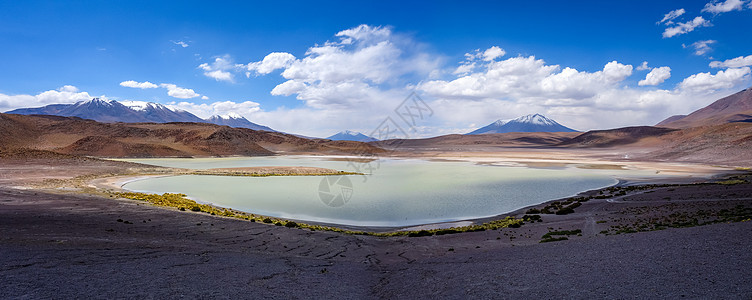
(76,245)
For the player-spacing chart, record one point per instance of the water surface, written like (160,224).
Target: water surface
(397,193)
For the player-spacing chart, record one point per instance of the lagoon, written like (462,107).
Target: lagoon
(396,193)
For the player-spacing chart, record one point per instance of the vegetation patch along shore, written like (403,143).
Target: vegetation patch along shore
(182,203)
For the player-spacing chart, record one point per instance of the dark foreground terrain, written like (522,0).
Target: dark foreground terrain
(78,246)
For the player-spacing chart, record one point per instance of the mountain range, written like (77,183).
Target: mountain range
(111,111)
(348,135)
(76,136)
(236,120)
(529,123)
(720,133)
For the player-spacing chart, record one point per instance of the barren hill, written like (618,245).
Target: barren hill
(734,108)
(617,137)
(728,144)
(70,135)
(511,139)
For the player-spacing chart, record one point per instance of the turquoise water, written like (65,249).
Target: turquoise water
(397,193)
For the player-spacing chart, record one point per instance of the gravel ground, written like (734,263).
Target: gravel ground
(78,246)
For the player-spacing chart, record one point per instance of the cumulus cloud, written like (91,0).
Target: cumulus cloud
(656,76)
(359,78)
(528,77)
(471,58)
(364,65)
(668,19)
(204,110)
(701,47)
(717,7)
(580,99)
(138,85)
(272,61)
(492,53)
(707,82)
(172,89)
(179,92)
(219,69)
(643,66)
(64,94)
(682,28)
(738,62)
(364,32)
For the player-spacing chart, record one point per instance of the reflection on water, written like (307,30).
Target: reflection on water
(399,193)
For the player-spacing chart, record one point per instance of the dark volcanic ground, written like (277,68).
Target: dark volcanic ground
(73,246)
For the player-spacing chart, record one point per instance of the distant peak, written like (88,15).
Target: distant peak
(95,101)
(228,116)
(142,105)
(500,122)
(535,119)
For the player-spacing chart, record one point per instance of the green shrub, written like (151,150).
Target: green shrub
(419,233)
(548,240)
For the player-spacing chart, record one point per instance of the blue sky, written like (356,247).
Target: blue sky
(342,65)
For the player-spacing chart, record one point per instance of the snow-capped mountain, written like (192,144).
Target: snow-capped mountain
(529,123)
(348,135)
(236,120)
(95,109)
(111,111)
(158,113)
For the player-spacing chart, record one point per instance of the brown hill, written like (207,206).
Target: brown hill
(511,139)
(616,137)
(734,108)
(727,144)
(70,135)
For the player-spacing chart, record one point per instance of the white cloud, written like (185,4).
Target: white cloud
(738,62)
(219,69)
(464,69)
(583,100)
(364,33)
(526,78)
(65,94)
(272,61)
(357,80)
(471,58)
(707,82)
(204,110)
(656,76)
(717,7)
(682,28)
(181,43)
(172,89)
(179,92)
(668,19)
(701,47)
(138,85)
(363,66)
(492,53)
(643,66)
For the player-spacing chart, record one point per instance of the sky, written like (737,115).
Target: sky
(319,67)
